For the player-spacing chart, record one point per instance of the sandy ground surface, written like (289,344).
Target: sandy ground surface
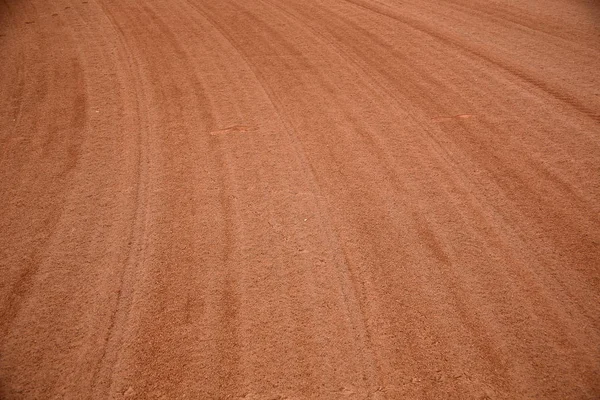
(300,199)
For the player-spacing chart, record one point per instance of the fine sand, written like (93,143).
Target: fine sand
(300,199)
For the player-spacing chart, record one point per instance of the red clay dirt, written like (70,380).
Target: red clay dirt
(300,199)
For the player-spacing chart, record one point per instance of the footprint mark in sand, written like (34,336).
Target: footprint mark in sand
(459,116)
(233,129)
(29,22)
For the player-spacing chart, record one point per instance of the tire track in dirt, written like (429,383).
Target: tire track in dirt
(492,127)
(57,330)
(126,282)
(535,18)
(260,199)
(311,173)
(560,94)
(325,24)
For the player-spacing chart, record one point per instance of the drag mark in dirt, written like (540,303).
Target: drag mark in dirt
(456,117)
(233,129)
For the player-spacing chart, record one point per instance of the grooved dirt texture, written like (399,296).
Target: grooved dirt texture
(300,199)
